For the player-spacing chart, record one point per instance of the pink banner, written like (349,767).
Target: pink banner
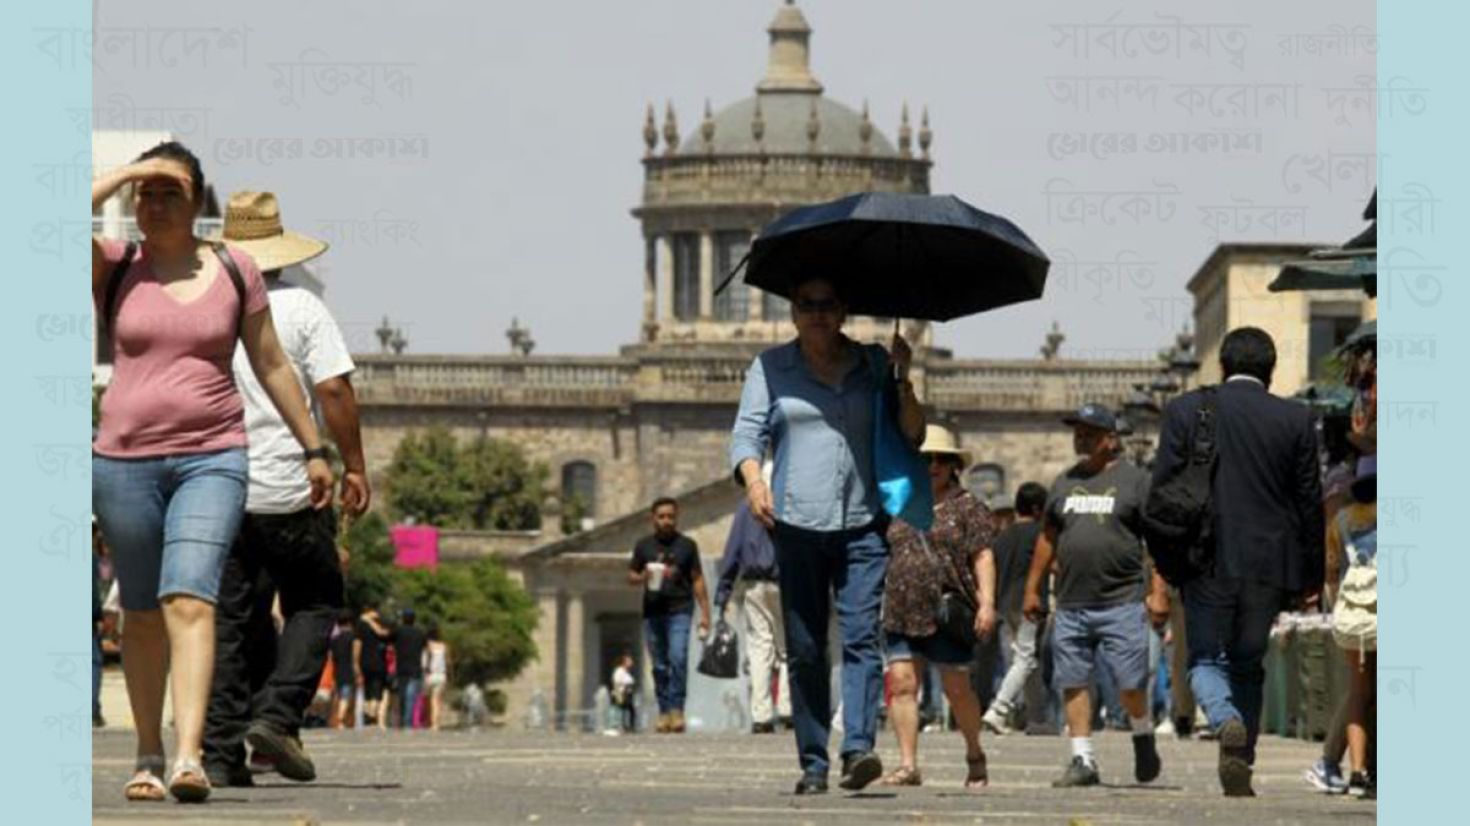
(417,546)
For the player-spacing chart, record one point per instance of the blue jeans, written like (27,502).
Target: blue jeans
(1228,625)
(170,522)
(813,566)
(409,689)
(668,648)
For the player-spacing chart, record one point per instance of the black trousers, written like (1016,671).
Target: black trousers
(258,676)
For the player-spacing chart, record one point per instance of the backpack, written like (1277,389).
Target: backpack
(120,271)
(1177,516)
(1355,614)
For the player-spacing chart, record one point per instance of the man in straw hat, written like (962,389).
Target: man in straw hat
(282,536)
(1092,528)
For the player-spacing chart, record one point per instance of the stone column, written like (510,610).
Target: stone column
(541,673)
(650,287)
(578,697)
(706,275)
(663,255)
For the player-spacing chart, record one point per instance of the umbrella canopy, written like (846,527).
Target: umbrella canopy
(1331,399)
(1328,274)
(931,257)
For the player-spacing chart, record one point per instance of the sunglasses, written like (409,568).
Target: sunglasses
(813,306)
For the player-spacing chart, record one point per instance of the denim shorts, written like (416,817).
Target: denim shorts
(935,648)
(1117,634)
(169,521)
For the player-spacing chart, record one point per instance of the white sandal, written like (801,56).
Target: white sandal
(188,783)
(147,784)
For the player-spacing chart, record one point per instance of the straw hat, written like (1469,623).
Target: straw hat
(253,223)
(941,440)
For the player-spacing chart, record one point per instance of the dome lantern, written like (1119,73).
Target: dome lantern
(789,66)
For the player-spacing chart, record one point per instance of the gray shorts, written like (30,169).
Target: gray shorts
(1119,634)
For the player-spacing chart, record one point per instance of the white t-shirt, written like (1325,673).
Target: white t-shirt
(317,352)
(622,683)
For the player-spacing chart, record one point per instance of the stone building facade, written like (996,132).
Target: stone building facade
(1230,289)
(654,419)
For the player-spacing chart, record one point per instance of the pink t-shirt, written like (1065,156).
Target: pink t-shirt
(172,390)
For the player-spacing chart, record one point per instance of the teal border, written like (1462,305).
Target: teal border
(1426,576)
(46,341)
(1424,348)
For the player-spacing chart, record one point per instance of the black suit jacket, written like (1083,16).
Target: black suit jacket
(1267,495)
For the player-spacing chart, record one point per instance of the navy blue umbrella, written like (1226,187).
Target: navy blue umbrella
(930,257)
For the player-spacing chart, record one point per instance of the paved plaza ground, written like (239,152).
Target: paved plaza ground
(493,776)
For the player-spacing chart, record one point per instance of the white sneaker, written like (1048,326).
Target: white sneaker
(995,722)
(1165,729)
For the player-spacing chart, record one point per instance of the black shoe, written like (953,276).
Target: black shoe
(291,759)
(98,721)
(1146,762)
(811,784)
(1079,772)
(1183,727)
(859,769)
(1234,766)
(222,777)
(1358,784)
(787,724)
(763,728)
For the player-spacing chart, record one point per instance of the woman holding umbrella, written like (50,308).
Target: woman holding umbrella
(811,402)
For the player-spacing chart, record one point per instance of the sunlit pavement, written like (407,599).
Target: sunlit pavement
(527,777)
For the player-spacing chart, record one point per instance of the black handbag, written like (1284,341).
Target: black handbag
(721,658)
(954,613)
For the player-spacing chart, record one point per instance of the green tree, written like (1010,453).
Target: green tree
(488,484)
(370,571)
(574,510)
(504,489)
(424,479)
(485,616)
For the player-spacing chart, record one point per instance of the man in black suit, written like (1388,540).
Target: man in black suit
(1268,536)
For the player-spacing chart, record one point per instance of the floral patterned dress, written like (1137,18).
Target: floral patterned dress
(963,527)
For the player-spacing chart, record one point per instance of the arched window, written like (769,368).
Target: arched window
(579,492)
(987,482)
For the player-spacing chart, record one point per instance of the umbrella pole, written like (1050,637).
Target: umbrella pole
(896,322)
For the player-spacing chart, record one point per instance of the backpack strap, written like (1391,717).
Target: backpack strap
(114,286)
(120,271)
(1202,437)
(228,262)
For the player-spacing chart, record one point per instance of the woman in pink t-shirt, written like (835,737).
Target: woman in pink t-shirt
(169,465)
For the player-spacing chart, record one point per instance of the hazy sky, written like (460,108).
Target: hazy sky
(515,201)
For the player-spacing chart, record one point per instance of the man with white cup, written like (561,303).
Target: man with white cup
(666,566)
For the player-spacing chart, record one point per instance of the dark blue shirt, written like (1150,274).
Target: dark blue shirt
(748,553)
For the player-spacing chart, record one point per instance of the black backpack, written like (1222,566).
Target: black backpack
(120,271)
(1177,518)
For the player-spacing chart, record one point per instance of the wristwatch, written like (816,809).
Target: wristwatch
(316,453)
